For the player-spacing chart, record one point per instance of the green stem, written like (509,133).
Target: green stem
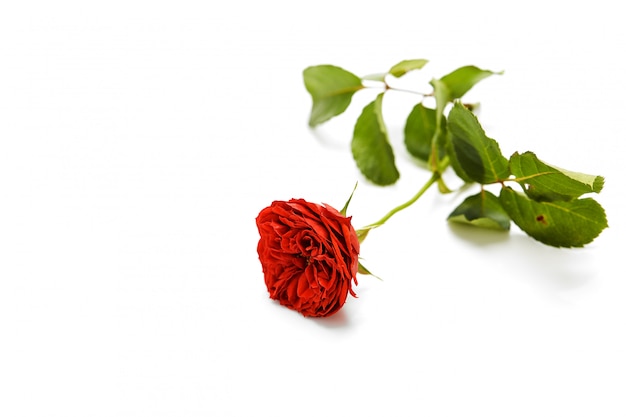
(402,90)
(387,87)
(433,179)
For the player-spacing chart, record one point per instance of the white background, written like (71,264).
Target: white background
(139,140)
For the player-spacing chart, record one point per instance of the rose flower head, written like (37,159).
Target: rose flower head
(309,255)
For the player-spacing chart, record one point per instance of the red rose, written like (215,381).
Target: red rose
(309,254)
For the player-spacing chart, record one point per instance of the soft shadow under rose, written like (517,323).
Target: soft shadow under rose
(309,255)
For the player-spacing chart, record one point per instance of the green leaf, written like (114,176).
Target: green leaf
(595,182)
(344,210)
(473,155)
(361,234)
(405,66)
(375,77)
(442,97)
(461,80)
(557,223)
(548,183)
(370,145)
(331,89)
(482,210)
(419,132)
(364,271)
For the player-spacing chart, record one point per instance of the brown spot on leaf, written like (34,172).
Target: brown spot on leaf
(541,219)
